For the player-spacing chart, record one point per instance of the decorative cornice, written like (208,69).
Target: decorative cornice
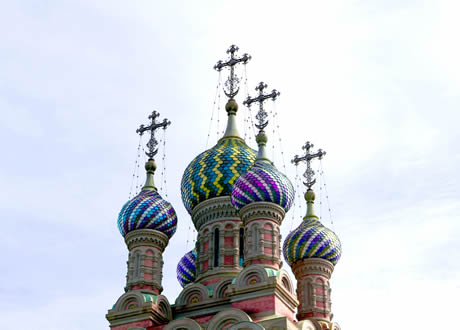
(262,210)
(217,208)
(146,237)
(312,266)
(141,283)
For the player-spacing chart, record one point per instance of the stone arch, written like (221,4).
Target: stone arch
(164,306)
(250,274)
(193,293)
(227,318)
(182,324)
(246,325)
(132,298)
(286,281)
(221,289)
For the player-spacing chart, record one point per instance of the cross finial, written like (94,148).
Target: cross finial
(153,143)
(309,173)
(262,114)
(232,81)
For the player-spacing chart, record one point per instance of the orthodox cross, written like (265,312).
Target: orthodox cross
(262,114)
(309,173)
(153,143)
(232,81)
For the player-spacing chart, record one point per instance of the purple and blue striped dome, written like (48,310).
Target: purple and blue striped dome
(148,210)
(186,268)
(263,183)
(312,240)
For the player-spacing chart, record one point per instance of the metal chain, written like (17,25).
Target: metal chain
(213,108)
(135,167)
(327,194)
(250,121)
(218,114)
(297,198)
(277,125)
(163,177)
(321,182)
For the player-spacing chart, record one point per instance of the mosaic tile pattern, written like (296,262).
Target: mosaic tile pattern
(186,269)
(147,211)
(312,240)
(263,183)
(213,172)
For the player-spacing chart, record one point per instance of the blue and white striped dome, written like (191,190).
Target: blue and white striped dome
(148,210)
(186,268)
(263,183)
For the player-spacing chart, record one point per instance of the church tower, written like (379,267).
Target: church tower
(237,199)
(312,251)
(147,222)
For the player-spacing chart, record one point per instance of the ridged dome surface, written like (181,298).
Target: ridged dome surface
(312,240)
(213,172)
(263,183)
(148,210)
(186,268)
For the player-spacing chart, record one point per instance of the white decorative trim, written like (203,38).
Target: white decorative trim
(214,209)
(181,324)
(312,266)
(262,210)
(228,316)
(190,290)
(246,325)
(146,237)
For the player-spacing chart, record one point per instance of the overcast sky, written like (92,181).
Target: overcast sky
(374,83)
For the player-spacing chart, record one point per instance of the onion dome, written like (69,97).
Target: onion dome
(148,210)
(213,172)
(311,239)
(263,183)
(186,269)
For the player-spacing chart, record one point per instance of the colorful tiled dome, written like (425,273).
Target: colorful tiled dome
(312,240)
(213,172)
(148,210)
(186,269)
(263,183)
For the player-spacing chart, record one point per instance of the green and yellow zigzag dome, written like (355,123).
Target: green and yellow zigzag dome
(213,172)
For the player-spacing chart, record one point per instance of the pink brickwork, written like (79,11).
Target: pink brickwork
(228,242)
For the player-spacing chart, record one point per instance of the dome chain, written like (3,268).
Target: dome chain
(218,112)
(277,125)
(163,185)
(249,121)
(136,167)
(297,199)
(138,185)
(214,108)
(321,183)
(327,194)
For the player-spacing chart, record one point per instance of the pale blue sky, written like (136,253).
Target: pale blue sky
(376,84)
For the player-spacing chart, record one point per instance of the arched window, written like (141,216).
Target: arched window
(216,247)
(241,246)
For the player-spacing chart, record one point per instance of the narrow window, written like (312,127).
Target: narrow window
(137,265)
(216,247)
(255,239)
(241,246)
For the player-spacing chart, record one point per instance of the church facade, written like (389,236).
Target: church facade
(232,279)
